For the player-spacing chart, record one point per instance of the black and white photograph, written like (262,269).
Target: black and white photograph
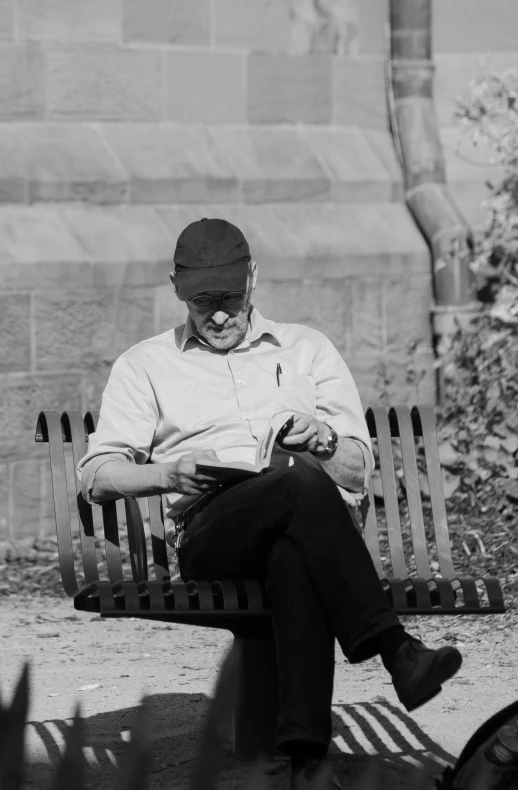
(258,394)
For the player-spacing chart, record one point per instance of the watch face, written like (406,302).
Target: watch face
(332,442)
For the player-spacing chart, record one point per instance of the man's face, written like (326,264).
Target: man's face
(220,326)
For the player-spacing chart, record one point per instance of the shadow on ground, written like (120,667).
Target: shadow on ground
(360,731)
(365,729)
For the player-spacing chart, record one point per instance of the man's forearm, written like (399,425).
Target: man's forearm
(346,466)
(119,479)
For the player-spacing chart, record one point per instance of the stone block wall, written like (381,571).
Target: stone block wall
(123,120)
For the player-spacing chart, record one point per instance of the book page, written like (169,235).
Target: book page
(266,443)
(231,472)
(228,471)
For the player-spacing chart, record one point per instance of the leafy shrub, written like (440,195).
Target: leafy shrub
(490,114)
(478,419)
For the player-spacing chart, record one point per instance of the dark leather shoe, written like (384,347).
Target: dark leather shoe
(418,671)
(303,776)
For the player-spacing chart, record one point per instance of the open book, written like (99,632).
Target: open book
(234,471)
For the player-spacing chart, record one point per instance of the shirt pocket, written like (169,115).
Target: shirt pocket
(296,392)
(295,380)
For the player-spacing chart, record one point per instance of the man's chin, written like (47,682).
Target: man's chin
(221,340)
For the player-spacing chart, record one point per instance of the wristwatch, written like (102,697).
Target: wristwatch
(330,445)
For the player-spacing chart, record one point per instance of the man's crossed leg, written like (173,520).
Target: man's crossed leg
(291,528)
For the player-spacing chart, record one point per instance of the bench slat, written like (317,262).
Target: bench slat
(399,596)
(229,593)
(413,494)
(73,424)
(131,595)
(109,518)
(111,541)
(388,478)
(102,519)
(433,465)
(470,592)
(49,428)
(421,591)
(371,534)
(181,597)
(106,597)
(156,595)
(494,591)
(136,536)
(91,420)
(158,544)
(254,595)
(446,594)
(205,596)
(136,539)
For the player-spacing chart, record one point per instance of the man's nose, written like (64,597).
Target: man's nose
(220,317)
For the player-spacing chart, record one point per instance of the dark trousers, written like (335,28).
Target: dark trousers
(291,528)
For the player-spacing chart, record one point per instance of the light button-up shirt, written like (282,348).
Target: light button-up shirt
(173,393)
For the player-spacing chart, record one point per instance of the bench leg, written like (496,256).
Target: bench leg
(255,716)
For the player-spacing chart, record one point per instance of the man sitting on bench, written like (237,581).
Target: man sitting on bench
(207,390)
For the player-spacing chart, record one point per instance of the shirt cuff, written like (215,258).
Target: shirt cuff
(368,464)
(89,471)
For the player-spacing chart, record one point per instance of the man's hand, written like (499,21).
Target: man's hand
(308,433)
(305,433)
(183,477)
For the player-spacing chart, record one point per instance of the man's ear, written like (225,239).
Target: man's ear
(172,277)
(253,274)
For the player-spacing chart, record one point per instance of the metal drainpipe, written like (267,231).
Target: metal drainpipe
(418,144)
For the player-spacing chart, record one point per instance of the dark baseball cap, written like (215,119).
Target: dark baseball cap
(211,255)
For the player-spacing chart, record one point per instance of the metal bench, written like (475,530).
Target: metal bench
(243,607)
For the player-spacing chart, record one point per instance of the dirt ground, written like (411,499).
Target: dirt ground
(108,665)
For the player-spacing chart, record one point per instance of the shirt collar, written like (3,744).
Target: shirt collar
(258,327)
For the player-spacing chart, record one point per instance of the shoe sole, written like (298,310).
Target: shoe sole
(448,667)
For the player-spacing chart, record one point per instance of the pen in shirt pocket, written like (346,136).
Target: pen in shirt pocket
(279,374)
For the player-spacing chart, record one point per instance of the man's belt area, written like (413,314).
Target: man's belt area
(183,519)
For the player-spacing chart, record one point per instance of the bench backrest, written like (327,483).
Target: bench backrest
(399,431)
(400,435)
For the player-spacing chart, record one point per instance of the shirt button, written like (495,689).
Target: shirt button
(240,381)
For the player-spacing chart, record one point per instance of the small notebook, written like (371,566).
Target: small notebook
(234,471)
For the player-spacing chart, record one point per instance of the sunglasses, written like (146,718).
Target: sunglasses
(234,300)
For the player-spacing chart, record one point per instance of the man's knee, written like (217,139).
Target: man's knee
(308,487)
(307,479)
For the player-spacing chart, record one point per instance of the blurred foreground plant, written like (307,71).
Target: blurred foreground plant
(133,773)
(71,769)
(476,769)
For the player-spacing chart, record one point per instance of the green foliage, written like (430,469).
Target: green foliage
(477,426)
(478,416)
(478,420)
(490,114)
